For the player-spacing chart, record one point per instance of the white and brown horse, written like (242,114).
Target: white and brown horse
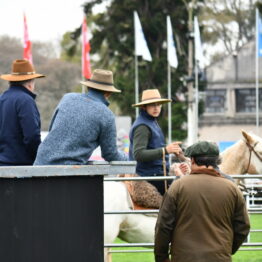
(245,156)
(132,228)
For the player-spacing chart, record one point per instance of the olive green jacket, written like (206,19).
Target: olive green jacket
(204,217)
(142,135)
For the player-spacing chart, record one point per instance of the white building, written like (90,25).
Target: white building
(230,98)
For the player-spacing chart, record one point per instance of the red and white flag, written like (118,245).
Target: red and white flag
(27,44)
(86,68)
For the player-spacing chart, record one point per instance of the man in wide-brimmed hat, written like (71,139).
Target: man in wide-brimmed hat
(80,124)
(147,142)
(19,117)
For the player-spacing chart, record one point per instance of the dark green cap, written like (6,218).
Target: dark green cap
(202,148)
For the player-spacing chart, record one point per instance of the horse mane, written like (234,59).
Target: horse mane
(228,151)
(232,158)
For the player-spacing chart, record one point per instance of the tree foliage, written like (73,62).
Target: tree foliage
(228,22)
(113,43)
(61,77)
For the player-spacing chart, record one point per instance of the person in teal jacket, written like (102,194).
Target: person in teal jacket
(80,124)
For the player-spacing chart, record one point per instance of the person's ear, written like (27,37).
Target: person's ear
(107,94)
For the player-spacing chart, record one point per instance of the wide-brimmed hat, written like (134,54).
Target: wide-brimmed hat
(151,96)
(202,148)
(21,70)
(101,80)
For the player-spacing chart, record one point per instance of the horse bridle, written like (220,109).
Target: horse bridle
(252,149)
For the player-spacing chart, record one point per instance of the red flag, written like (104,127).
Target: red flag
(86,68)
(27,43)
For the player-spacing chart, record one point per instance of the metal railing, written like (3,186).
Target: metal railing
(244,247)
(109,170)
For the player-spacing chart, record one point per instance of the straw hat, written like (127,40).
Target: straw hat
(21,70)
(101,80)
(151,96)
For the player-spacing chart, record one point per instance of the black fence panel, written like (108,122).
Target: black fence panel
(51,219)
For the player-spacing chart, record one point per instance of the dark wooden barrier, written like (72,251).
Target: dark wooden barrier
(53,213)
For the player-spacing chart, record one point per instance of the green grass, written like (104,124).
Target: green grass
(252,256)
(240,256)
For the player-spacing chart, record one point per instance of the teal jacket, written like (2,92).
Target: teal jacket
(80,124)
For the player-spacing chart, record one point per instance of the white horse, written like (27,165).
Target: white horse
(133,228)
(242,157)
(245,156)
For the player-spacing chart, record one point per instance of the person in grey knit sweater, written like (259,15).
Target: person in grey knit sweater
(80,124)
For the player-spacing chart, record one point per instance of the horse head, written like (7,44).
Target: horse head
(254,144)
(243,157)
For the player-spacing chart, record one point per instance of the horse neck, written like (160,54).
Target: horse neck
(235,159)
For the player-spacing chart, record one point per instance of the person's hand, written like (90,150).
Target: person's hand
(175,170)
(174,148)
(180,169)
(184,168)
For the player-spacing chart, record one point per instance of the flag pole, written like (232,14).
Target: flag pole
(136,85)
(169,90)
(257,73)
(169,97)
(169,104)
(169,107)
(199,64)
(136,71)
(196,84)
(141,49)
(196,100)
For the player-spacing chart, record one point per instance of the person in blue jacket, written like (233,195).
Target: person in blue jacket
(19,117)
(147,142)
(81,123)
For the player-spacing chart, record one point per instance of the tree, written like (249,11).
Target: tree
(228,22)
(61,77)
(113,41)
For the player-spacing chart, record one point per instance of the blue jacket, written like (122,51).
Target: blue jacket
(19,127)
(157,140)
(80,124)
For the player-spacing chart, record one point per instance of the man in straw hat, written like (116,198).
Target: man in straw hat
(19,117)
(80,124)
(147,142)
(203,215)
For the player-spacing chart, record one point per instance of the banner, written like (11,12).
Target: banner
(199,57)
(141,48)
(27,44)
(86,68)
(259,34)
(171,49)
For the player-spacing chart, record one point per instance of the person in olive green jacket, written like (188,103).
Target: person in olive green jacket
(203,215)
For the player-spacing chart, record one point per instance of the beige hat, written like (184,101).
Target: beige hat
(151,96)
(21,70)
(101,80)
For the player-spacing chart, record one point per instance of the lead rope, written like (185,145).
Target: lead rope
(164,166)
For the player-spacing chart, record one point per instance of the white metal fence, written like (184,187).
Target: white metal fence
(253,207)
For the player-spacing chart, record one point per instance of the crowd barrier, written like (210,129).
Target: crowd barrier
(248,246)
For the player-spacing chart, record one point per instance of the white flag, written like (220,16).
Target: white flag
(171,48)
(141,47)
(198,46)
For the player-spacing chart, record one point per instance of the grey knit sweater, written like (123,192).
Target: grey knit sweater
(80,124)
